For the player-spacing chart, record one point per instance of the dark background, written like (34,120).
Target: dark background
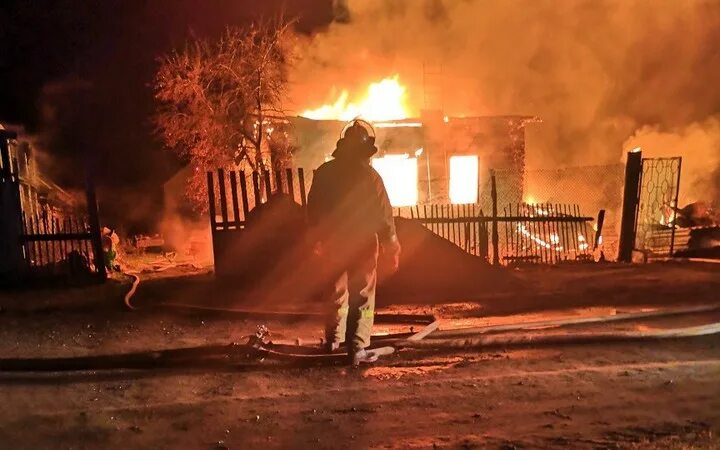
(76,75)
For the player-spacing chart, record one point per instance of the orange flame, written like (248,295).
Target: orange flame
(384,100)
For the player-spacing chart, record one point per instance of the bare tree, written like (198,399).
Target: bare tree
(220,102)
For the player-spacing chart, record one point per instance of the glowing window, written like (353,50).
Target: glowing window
(464,179)
(400,175)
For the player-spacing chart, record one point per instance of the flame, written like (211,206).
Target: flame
(464,179)
(384,100)
(400,175)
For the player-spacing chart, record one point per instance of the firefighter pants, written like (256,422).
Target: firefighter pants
(352,300)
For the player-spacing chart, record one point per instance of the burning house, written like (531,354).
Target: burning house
(38,194)
(433,158)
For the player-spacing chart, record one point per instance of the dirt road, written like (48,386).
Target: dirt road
(625,395)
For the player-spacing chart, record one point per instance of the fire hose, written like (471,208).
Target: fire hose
(258,348)
(477,337)
(408,319)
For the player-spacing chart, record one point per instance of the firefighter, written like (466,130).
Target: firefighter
(110,243)
(350,223)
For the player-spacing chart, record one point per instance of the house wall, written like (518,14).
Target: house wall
(499,143)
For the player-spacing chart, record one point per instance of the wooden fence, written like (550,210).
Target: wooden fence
(527,233)
(546,233)
(245,253)
(40,247)
(464,225)
(248,190)
(511,234)
(55,247)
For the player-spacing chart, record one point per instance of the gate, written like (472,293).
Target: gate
(234,199)
(658,200)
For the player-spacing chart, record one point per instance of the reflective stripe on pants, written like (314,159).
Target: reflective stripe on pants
(353,303)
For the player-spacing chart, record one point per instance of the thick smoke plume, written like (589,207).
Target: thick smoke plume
(596,72)
(699,144)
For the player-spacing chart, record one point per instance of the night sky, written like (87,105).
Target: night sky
(76,74)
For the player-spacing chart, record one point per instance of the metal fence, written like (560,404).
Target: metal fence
(659,191)
(591,188)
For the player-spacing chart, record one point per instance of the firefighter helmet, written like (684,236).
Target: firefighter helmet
(358,135)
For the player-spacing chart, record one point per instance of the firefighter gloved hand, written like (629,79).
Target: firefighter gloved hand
(391,253)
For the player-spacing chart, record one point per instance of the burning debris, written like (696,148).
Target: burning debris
(703,222)
(697,214)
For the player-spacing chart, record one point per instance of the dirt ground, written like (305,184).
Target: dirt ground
(651,394)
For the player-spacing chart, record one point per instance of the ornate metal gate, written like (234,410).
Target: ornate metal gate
(658,200)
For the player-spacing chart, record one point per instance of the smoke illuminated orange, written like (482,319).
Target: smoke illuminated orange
(384,100)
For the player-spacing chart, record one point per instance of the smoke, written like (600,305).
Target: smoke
(183,231)
(596,72)
(699,143)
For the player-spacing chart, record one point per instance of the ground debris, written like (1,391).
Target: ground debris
(557,413)
(691,432)
(354,409)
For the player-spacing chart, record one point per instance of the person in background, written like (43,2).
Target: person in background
(110,243)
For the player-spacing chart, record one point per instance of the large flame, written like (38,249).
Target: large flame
(464,179)
(400,175)
(384,100)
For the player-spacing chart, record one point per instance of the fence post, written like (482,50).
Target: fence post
(223,198)
(94,218)
(598,232)
(675,205)
(631,201)
(11,250)
(6,173)
(495,237)
(211,201)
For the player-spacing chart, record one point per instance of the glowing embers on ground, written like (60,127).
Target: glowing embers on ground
(383,100)
(464,179)
(553,242)
(552,236)
(400,175)
(524,231)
